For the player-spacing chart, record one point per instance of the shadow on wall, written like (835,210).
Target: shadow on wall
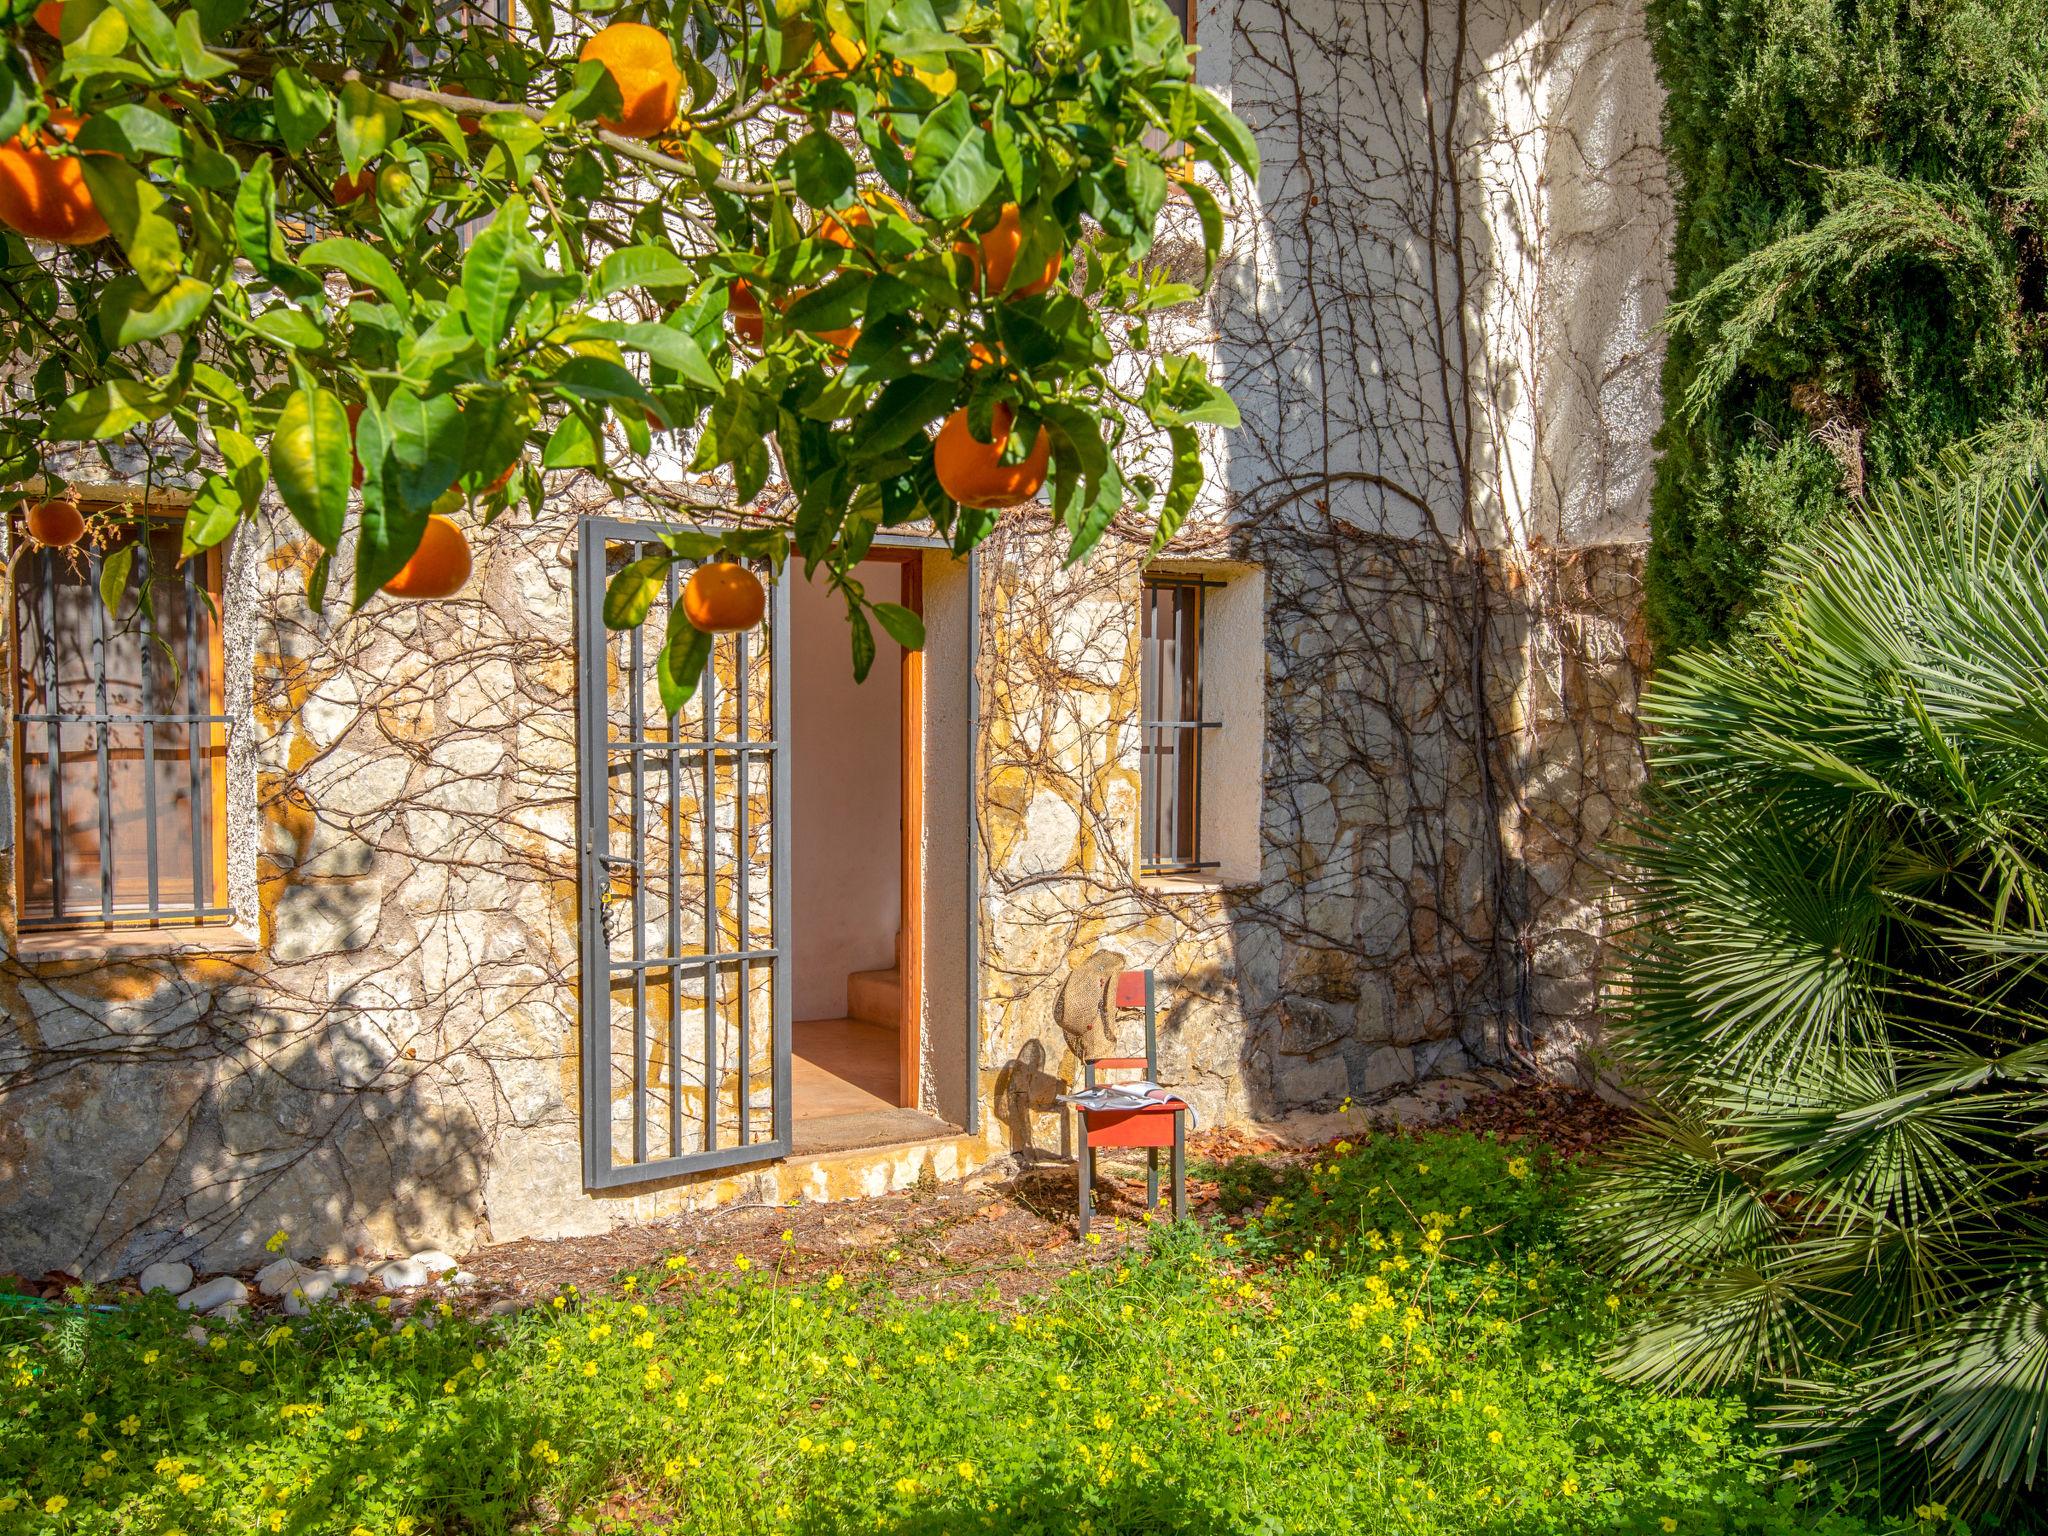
(1439,325)
(408,1033)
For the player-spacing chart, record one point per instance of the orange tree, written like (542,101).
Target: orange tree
(431,252)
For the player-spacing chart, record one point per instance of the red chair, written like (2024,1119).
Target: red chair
(1152,1126)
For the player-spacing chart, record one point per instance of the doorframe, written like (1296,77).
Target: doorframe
(908,554)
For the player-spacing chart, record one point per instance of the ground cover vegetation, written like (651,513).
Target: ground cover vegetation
(1859,275)
(1398,1340)
(849,264)
(1837,1006)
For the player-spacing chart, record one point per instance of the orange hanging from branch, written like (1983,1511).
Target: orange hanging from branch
(973,473)
(439,567)
(642,62)
(56,524)
(44,196)
(724,597)
(995,257)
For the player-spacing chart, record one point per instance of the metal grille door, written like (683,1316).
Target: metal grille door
(685,897)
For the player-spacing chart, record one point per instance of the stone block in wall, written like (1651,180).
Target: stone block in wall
(1301,1082)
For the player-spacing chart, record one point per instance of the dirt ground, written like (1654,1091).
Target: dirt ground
(1007,1229)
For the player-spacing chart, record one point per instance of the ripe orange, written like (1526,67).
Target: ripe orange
(57,524)
(995,257)
(348,188)
(643,64)
(439,567)
(744,305)
(836,57)
(723,597)
(50,17)
(44,196)
(504,479)
(355,414)
(972,472)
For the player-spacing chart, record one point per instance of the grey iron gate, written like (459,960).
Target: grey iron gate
(684,901)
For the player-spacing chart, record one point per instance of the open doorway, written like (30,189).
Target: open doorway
(858,865)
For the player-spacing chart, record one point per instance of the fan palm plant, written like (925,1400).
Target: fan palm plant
(1837,1007)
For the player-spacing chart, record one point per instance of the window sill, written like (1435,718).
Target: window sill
(138,943)
(1206,884)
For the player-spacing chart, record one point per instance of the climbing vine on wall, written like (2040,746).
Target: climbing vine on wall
(1859,275)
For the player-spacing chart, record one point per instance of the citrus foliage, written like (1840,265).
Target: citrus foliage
(1839,1005)
(1859,273)
(1439,1383)
(382,241)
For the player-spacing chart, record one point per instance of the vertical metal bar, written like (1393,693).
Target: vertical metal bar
(636,682)
(779,835)
(202,866)
(53,735)
(741,861)
(707,691)
(144,540)
(973,902)
(94,562)
(672,766)
(1194,663)
(1148,735)
(593,793)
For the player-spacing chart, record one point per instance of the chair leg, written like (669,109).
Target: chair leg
(1180,1169)
(1084,1169)
(1151,1178)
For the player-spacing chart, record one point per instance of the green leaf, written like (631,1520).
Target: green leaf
(820,166)
(135,212)
(363,264)
(105,410)
(128,313)
(288,327)
(255,217)
(641,266)
(1182,489)
(1091,520)
(425,434)
(368,123)
(902,410)
(133,130)
(599,379)
(669,346)
(313,460)
(903,625)
(194,61)
(114,579)
(631,593)
(491,278)
(304,108)
(953,166)
(840,303)
(572,446)
(216,508)
(1222,125)
(593,93)
(1211,214)
(680,668)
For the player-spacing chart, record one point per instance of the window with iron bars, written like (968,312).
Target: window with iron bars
(119,734)
(1171,726)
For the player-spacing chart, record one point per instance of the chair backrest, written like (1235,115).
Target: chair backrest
(1134,989)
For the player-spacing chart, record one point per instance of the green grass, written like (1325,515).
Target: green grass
(1402,1344)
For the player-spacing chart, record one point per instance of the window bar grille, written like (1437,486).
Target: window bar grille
(707,690)
(671,768)
(1165,735)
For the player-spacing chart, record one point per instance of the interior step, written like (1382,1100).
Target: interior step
(875,997)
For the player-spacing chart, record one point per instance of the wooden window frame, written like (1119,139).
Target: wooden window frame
(157,917)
